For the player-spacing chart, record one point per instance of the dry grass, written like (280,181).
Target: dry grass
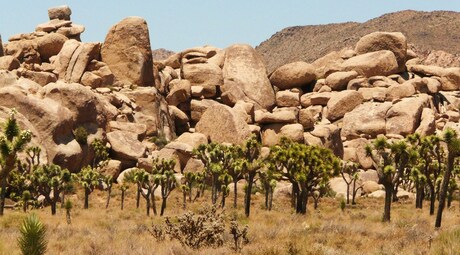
(328,230)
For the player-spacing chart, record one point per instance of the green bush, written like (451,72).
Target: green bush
(81,135)
(160,141)
(32,240)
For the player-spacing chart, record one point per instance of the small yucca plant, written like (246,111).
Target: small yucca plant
(32,239)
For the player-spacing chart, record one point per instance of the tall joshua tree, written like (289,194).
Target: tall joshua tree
(383,162)
(12,141)
(453,151)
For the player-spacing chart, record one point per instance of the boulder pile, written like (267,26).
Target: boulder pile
(205,94)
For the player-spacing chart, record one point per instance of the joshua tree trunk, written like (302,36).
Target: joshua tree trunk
(147,202)
(108,197)
(68,218)
(247,196)
(184,202)
(223,200)
(432,199)
(348,194)
(138,196)
(63,199)
(53,207)
(3,195)
(163,206)
(270,202)
(444,187)
(25,205)
(267,194)
(122,198)
(388,199)
(295,192)
(154,205)
(86,205)
(235,193)
(419,196)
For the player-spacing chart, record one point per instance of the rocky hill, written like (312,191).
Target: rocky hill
(118,94)
(160,54)
(427,31)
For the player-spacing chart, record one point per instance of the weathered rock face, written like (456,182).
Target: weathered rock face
(72,60)
(343,102)
(245,70)
(293,75)
(60,12)
(394,42)
(372,64)
(9,63)
(403,117)
(126,146)
(223,125)
(367,119)
(152,111)
(127,51)
(339,80)
(206,75)
(50,45)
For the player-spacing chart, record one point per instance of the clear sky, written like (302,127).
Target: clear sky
(177,25)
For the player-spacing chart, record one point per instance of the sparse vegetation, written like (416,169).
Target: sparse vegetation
(81,135)
(33,236)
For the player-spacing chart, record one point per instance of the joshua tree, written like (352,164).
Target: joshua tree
(88,178)
(163,171)
(453,151)
(306,167)
(101,153)
(12,141)
(123,187)
(225,179)
(50,179)
(249,164)
(146,185)
(383,162)
(32,240)
(108,180)
(68,208)
(26,196)
(217,159)
(349,174)
(268,178)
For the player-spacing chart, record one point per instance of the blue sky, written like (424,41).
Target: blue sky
(177,25)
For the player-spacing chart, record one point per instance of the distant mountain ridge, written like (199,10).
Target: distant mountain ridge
(428,31)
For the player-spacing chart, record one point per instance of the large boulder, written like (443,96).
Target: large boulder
(127,51)
(50,45)
(126,146)
(9,63)
(192,139)
(62,12)
(222,124)
(272,133)
(403,118)
(342,102)
(244,69)
(395,42)
(206,75)
(427,124)
(398,91)
(372,64)
(339,80)
(74,57)
(286,115)
(293,75)
(88,108)
(367,119)
(152,111)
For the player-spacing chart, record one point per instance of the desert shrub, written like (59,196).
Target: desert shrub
(196,231)
(81,135)
(239,235)
(32,240)
(160,141)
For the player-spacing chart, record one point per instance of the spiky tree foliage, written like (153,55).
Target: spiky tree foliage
(12,141)
(453,151)
(225,179)
(26,197)
(249,164)
(383,162)
(123,187)
(404,158)
(146,183)
(32,239)
(89,179)
(429,166)
(101,153)
(349,172)
(163,171)
(217,159)
(50,181)
(108,180)
(306,167)
(269,177)
(68,208)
